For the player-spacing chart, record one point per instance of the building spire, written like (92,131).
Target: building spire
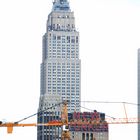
(61,5)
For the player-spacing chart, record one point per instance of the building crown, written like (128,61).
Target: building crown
(61,5)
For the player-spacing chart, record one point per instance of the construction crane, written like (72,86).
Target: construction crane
(63,123)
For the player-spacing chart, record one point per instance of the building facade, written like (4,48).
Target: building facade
(88,126)
(60,68)
(138,93)
(61,80)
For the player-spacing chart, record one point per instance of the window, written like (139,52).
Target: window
(77,40)
(58,26)
(53,26)
(63,40)
(73,40)
(63,49)
(68,26)
(68,39)
(58,37)
(58,73)
(54,37)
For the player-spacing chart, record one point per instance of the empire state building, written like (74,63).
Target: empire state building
(60,68)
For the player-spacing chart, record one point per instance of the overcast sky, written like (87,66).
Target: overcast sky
(109,39)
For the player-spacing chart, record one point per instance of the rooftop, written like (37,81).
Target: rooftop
(61,5)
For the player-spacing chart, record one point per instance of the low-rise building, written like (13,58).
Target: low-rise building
(88,126)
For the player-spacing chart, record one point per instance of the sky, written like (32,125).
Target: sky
(109,39)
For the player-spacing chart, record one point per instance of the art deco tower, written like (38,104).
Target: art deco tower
(60,68)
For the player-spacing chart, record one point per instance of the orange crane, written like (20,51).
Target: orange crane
(65,124)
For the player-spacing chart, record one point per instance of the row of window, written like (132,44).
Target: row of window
(64,50)
(59,92)
(65,39)
(63,45)
(62,57)
(59,27)
(65,70)
(72,88)
(64,66)
(63,76)
(59,64)
(63,53)
(65,84)
(54,81)
(63,73)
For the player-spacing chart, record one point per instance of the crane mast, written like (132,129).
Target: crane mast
(64,119)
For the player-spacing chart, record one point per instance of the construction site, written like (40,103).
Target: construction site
(72,126)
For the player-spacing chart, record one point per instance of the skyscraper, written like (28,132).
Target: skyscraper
(60,68)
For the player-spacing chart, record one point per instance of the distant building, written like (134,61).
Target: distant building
(139,93)
(88,126)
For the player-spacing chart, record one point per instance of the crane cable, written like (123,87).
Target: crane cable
(93,110)
(111,102)
(41,111)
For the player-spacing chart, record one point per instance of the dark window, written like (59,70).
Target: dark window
(72,40)
(58,37)
(68,39)
(77,40)
(53,26)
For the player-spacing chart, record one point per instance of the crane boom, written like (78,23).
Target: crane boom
(63,123)
(11,125)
